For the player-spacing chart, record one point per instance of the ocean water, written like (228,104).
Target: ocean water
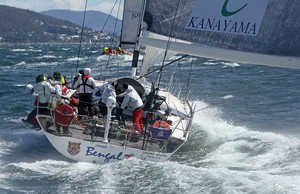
(245,137)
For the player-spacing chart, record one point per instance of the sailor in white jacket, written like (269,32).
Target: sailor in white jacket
(44,90)
(85,86)
(109,92)
(133,101)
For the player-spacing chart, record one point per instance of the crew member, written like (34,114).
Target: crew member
(133,101)
(43,89)
(85,85)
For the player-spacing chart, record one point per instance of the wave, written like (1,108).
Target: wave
(46,57)
(18,50)
(228,96)
(21,63)
(247,156)
(216,149)
(229,64)
(131,176)
(210,63)
(124,58)
(238,147)
(34,50)
(72,59)
(225,64)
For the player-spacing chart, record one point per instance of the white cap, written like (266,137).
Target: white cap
(87,71)
(110,88)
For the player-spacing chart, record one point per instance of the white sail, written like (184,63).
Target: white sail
(268,37)
(154,54)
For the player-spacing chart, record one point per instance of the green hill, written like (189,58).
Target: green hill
(95,20)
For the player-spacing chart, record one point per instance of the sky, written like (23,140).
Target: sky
(76,5)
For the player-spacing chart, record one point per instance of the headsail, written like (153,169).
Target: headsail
(154,54)
(268,37)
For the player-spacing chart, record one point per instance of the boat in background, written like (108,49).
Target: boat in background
(224,30)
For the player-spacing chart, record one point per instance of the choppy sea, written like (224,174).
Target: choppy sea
(245,137)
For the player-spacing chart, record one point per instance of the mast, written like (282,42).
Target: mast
(136,51)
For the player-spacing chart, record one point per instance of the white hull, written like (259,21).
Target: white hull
(100,152)
(86,140)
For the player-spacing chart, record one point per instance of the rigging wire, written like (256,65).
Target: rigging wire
(168,44)
(162,66)
(172,78)
(81,34)
(115,27)
(112,40)
(189,78)
(96,41)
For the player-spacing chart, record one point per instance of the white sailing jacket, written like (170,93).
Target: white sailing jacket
(44,90)
(85,85)
(108,91)
(132,99)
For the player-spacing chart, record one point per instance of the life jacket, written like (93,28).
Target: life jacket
(160,130)
(84,82)
(161,124)
(64,115)
(62,80)
(64,89)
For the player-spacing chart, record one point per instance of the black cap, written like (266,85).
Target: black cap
(39,78)
(57,75)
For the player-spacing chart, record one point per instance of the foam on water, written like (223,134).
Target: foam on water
(72,59)
(237,160)
(248,157)
(46,57)
(229,64)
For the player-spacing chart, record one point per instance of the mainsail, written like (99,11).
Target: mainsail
(248,31)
